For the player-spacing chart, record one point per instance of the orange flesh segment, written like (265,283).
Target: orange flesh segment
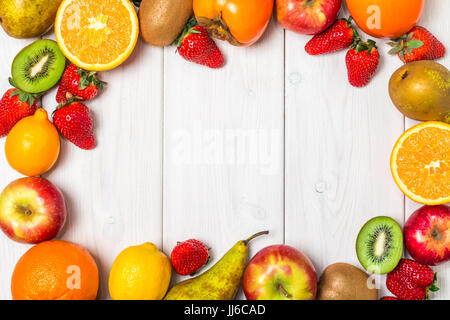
(96,31)
(423,163)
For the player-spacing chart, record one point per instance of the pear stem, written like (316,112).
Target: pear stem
(255,235)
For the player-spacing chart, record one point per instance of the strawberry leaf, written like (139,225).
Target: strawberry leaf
(24,97)
(433,287)
(87,78)
(356,37)
(84,83)
(31,100)
(188,28)
(361,46)
(394,50)
(415,44)
(11,82)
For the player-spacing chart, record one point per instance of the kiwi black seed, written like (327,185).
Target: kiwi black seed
(38,67)
(379,245)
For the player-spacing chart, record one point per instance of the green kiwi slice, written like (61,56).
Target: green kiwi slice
(38,67)
(379,245)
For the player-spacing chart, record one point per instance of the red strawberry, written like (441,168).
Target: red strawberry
(15,105)
(189,256)
(78,83)
(196,45)
(418,44)
(405,290)
(74,122)
(418,274)
(337,37)
(362,62)
(411,280)
(389,298)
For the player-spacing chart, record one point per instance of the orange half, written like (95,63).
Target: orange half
(420,163)
(96,35)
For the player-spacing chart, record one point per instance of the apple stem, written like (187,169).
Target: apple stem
(436,234)
(24,210)
(255,235)
(283,291)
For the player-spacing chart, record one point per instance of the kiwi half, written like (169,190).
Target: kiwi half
(38,67)
(379,245)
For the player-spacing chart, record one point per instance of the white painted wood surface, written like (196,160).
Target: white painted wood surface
(275,140)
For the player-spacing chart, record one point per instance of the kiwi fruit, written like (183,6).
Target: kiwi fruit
(162,21)
(379,245)
(343,281)
(38,67)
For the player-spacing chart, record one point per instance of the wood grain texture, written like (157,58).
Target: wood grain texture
(338,142)
(10,251)
(276,140)
(114,192)
(223,160)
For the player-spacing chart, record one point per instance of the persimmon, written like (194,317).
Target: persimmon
(240,22)
(386,18)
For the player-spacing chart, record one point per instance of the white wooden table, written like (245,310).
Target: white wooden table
(275,140)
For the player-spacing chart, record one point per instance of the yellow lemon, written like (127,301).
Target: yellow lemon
(140,273)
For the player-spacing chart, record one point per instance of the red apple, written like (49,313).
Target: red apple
(427,235)
(307,16)
(280,272)
(32,210)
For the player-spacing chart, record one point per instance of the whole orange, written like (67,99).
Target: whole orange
(32,146)
(55,270)
(385,18)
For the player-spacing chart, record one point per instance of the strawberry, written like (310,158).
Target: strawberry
(417,44)
(189,256)
(15,105)
(337,37)
(405,290)
(74,122)
(420,275)
(362,62)
(81,84)
(195,45)
(389,298)
(411,280)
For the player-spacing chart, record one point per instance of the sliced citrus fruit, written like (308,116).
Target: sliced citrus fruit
(420,163)
(96,35)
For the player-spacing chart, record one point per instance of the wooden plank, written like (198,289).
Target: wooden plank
(223,160)
(10,251)
(338,142)
(113,192)
(435,19)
